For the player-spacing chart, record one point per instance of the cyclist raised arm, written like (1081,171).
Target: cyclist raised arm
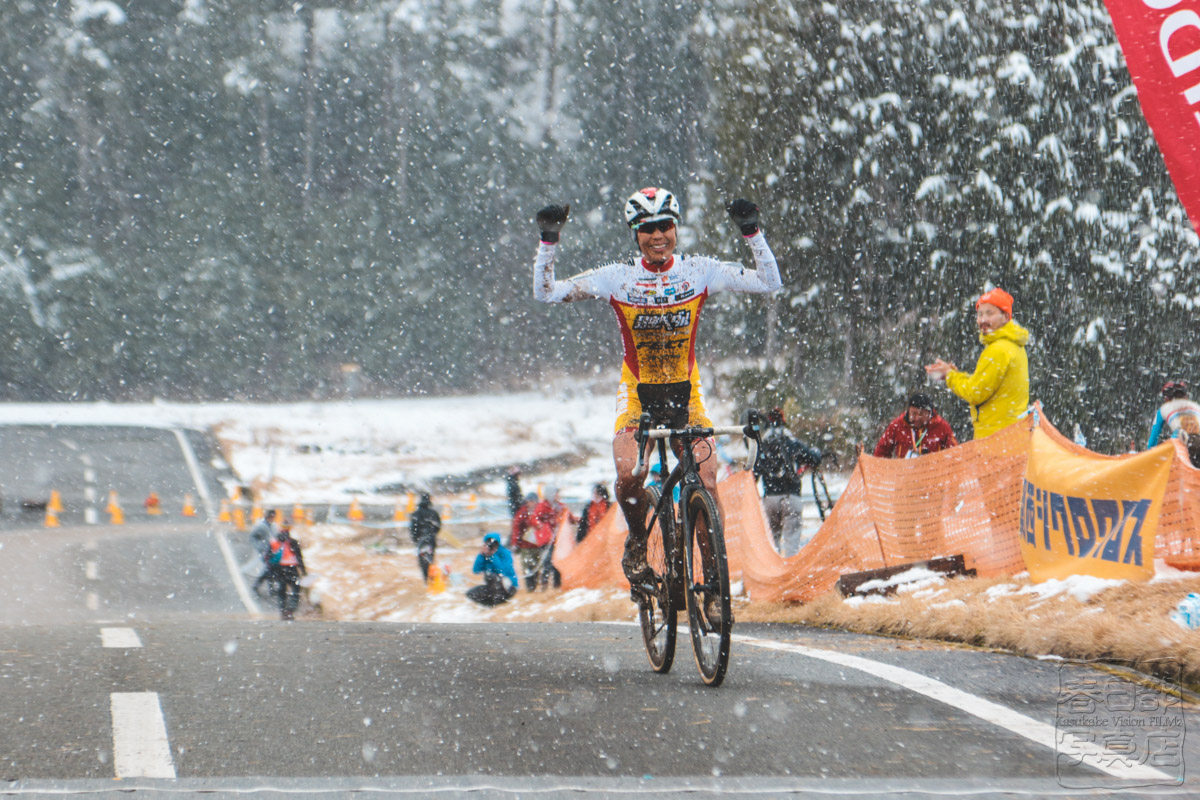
(657,299)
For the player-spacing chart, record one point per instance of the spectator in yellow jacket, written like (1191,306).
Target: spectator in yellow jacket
(998,391)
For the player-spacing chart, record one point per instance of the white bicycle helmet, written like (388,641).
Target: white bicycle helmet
(650,205)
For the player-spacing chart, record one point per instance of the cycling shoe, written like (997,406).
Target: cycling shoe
(712,612)
(633,562)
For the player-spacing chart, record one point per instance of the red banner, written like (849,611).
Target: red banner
(1161,42)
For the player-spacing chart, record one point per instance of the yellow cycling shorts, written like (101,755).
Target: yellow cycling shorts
(676,405)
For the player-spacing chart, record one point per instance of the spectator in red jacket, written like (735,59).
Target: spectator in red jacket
(593,512)
(548,518)
(919,430)
(525,540)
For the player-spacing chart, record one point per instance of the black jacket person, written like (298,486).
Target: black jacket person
(423,529)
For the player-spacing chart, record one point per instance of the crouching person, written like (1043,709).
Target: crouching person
(495,563)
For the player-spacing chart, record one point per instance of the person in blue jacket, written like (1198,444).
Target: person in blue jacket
(495,563)
(1178,418)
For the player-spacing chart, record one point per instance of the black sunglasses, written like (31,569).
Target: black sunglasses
(662,225)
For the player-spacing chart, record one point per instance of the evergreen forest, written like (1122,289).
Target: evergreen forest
(212,199)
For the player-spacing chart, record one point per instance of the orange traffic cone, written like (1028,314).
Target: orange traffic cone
(399,515)
(411,505)
(437,579)
(298,513)
(472,502)
(239,518)
(189,506)
(256,513)
(445,511)
(55,503)
(225,515)
(153,505)
(116,515)
(355,513)
(51,516)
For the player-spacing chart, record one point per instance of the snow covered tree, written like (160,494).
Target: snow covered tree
(912,154)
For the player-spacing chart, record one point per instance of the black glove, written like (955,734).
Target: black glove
(745,215)
(550,221)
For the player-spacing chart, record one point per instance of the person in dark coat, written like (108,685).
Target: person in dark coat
(593,512)
(512,489)
(919,430)
(781,456)
(287,566)
(423,530)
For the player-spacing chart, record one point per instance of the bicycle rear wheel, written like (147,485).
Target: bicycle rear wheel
(657,611)
(710,614)
(821,495)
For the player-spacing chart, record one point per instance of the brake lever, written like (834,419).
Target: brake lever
(751,431)
(639,471)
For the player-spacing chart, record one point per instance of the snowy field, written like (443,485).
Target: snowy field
(327,452)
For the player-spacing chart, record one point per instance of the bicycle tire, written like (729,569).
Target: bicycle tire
(658,613)
(710,641)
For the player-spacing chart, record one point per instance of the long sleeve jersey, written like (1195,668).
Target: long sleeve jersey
(658,309)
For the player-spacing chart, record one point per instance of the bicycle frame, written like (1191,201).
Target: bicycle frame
(693,574)
(686,473)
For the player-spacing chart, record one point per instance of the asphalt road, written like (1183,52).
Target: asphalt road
(130,653)
(84,463)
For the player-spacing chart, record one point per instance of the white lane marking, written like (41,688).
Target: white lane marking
(189,456)
(89,475)
(92,601)
(235,573)
(1089,753)
(87,462)
(140,745)
(89,493)
(91,571)
(119,637)
(90,516)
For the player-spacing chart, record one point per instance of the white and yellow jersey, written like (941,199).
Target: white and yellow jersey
(658,311)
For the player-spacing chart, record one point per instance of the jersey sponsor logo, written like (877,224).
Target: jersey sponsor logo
(672,321)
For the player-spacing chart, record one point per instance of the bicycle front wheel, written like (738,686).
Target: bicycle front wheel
(710,614)
(657,611)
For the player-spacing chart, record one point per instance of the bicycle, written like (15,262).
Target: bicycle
(686,555)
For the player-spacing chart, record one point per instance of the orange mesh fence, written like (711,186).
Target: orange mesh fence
(1178,541)
(962,501)
(595,563)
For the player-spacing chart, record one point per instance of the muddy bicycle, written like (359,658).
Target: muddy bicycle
(686,552)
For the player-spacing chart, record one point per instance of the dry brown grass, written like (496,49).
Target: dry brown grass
(365,584)
(1126,623)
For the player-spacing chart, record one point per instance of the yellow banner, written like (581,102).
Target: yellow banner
(1091,514)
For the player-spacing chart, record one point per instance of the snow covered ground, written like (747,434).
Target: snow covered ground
(318,453)
(326,452)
